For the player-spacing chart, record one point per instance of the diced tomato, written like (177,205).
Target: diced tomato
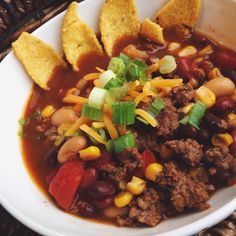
(185,68)
(147,158)
(101,161)
(66,182)
(50,177)
(90,175)
(225,59)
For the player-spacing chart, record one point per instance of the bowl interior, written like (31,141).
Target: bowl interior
(21,197)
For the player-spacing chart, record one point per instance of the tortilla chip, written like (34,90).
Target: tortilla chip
(179,12)
(77,38)
(152,31)
(118,18)
(38,58)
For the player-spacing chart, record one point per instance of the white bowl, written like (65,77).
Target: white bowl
(18,193)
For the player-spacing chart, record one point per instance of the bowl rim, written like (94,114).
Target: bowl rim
(190,229)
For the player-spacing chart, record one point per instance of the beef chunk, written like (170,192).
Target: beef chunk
(189,150)
(183,95)
(127,161)
(184,192)
(168,121)
(144,210)
(223,164)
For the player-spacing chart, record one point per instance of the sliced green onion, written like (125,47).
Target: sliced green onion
(117,65)
(185,120)
(125,59)
(123,113)
(24,121)
(115,95)
(110,145)
(105,77)
(135,70)
(97,97)
(91,112)
(111,84)
(167,64)
(156,106)
(125,141)
(102,132)
(140,63)
(195,116)
(142,120)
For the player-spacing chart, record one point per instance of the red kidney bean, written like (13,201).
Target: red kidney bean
(104,203)
(185,68)
(90,175)
(188,131)
(232,148)
(86,209)
(207,66)
(204,136)
(101,189)
(223,105)
(225,59)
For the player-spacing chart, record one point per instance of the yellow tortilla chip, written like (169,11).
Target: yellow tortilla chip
(38,58)
(77,38)
(152,31)
(179,12)
(118,18)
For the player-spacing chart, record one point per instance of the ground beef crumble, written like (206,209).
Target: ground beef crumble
(127,161)
(143,210)
(146,139)
(189,150)
(168,120)
(215,123)
(183,95)
(184,192)
(223,164)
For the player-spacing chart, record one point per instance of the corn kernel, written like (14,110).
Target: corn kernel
(165,153)
(187,51)
(136,186)
(90,153)
(123,199)
(215,73)
(186,109)
(152,171)
(206,51)
(222,139)
(48,111)
(206,96)
(173,46)
(98,125)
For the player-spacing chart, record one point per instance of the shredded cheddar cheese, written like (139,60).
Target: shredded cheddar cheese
(75,99)
(146,116)
(110,127)
(92,133)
